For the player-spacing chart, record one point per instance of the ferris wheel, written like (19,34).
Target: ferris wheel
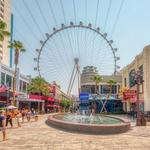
(71,47)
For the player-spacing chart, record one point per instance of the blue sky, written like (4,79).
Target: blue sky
(130,35)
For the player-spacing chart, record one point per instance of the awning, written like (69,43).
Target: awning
(40,97)
(50,99)
(3,89)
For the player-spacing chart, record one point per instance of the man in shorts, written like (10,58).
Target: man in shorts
(2,124)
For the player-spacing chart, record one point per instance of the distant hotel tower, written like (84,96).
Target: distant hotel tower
(5,15)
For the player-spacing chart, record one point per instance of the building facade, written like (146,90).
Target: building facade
(6,80)
(105,93)
(5,15)
(141,62)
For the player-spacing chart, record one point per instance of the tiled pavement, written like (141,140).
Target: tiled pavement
(39,136)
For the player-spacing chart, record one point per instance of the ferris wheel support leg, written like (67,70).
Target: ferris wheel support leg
(73,81)
(71,78)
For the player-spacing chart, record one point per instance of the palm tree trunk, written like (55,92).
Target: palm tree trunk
(15,74)
(14,86)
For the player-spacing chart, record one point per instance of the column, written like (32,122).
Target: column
(43,108)
(146,65)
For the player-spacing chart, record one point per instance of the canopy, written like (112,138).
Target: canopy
(11,107)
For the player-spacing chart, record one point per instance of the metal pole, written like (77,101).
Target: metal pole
(138,121)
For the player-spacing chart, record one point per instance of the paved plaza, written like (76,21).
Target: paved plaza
(39,136)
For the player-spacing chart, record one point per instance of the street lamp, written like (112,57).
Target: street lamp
(138,80)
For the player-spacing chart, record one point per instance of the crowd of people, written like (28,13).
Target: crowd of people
(9,116)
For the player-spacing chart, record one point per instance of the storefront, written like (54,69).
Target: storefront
(129,100)
(29,103)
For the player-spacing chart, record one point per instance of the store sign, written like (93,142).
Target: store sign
(129,94)
(84,96)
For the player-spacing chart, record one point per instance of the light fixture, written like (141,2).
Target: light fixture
(62,25)
(89,25)
(35,68)
(98,29)
(37,50)
(105,35)
(115,49)
(54,29)
(35,59)
(41,42)
(111,41)
(71,23)
(80,23)
(47,35)
(117,58)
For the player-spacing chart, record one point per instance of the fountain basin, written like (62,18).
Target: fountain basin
(121,125)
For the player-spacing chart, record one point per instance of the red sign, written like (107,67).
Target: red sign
(129,94)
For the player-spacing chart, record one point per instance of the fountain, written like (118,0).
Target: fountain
(89,123)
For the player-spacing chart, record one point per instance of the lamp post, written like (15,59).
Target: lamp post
(138,81)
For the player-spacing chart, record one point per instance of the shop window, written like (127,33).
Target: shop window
(114,89)
(2,78)
(105,89)
(20,85)
(141,69)
(125,82)
(24,87)
(9,81)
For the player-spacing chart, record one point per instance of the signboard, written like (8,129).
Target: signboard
(84,96)
(129,94)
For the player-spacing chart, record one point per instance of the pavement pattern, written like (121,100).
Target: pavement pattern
(40,136)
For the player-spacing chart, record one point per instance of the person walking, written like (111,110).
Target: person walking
(28,115)
(2,124)
(9,118)
(23,112)
(18,117)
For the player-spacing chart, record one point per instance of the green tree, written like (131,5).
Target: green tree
(63,104)
(3,31)
(111,82)
(39,86)
(18,47)
(97,79)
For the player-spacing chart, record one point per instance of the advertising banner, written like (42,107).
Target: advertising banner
(129,94)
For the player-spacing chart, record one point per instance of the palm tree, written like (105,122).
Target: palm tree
(111,82)
(39,86)
(97,79)
(3,31)
(18,47)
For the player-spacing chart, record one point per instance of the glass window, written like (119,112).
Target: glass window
(24,86)
(141,69)
(8,81)
(132,78)
(20,85)
(114,89)
(2,78)
(105,89)
(125,82)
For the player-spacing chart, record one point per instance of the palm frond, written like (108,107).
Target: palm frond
(1,37)
(6,33)
(3,25)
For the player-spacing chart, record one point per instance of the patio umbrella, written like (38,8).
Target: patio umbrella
(11,107)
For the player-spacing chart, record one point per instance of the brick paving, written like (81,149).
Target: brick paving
(40,136)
